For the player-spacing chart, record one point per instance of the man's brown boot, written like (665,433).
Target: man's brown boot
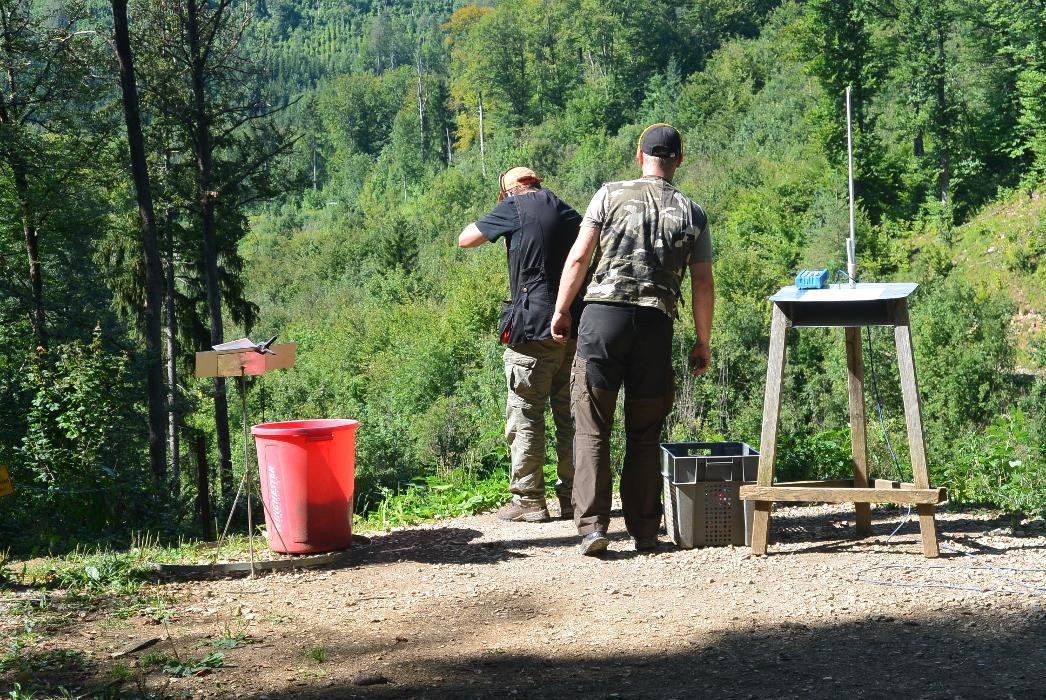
(518,512)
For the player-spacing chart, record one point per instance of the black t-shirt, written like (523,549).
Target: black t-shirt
(539,229)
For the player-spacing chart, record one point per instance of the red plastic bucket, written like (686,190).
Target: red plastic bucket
(307,470)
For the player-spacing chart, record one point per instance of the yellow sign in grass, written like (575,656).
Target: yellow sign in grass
(6,487)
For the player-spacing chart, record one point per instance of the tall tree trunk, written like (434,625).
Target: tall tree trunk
(171,329)
(944,180)
(944,128)
(150,245)
(37,317)
(31,233)
(421,106)
(918,142)
(203,488)
(482,146)
(204,178)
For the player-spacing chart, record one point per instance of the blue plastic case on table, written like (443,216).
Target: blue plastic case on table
(812,279)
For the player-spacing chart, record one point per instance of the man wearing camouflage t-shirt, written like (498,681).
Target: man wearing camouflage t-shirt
(644,234)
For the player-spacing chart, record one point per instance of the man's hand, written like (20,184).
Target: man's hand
(561,323)
(700,358)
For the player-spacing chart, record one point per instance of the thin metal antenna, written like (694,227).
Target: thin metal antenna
(851,242)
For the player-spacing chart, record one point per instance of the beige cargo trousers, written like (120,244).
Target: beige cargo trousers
(538,375)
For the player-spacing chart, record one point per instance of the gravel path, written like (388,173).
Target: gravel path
(474,607)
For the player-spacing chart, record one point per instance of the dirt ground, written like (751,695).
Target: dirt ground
(477,608)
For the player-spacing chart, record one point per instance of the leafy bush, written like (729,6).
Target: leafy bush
(195,667)
(1026,253)
(999,465)
(79,470)
(103,572)
(964,355)
(457,493)
(823,455)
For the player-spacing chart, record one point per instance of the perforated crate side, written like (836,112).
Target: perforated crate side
(671,524)
(720,504)
(705,514)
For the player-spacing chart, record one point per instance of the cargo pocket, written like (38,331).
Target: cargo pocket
(577,374)
(581,399)
(519,373)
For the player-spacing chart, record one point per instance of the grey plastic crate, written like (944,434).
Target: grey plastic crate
(702,481)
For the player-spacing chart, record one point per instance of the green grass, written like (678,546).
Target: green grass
(456,494)
(29,662)
(317,655)
(232,638)
(110,572)
(156,659)
(1003,249)
(194,666)
(7,578)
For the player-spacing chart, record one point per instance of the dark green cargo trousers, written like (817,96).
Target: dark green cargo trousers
(630,346)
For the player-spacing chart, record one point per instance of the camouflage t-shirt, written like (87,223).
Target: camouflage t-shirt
(649,233)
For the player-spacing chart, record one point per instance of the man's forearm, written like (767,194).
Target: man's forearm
(471,236)
(576,268)
(704,307)
(569,285)
(702,290)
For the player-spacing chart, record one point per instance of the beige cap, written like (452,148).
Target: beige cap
(514,177)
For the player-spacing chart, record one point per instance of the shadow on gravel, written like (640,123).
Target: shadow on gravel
(835,532)
(442,545)
(823,533)
(974,655)
(453,545)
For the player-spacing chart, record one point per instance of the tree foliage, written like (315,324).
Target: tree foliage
(345,156)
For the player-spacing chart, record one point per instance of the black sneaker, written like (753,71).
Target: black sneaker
(594,543)
(647,544)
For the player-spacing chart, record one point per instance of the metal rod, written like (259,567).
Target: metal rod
(228,521)
(851,242)
(247,468)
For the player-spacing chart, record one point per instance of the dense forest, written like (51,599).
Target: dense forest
(176,173)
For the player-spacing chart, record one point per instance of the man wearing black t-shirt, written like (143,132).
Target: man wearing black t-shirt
(539,230)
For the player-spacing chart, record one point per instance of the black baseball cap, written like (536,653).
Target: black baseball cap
(661,140)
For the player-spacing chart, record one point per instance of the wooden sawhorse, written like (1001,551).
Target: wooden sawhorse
(851,308)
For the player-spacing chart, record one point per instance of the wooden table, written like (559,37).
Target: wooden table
(851,308)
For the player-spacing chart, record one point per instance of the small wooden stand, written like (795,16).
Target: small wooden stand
(850,308)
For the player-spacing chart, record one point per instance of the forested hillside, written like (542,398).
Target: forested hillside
(311,169)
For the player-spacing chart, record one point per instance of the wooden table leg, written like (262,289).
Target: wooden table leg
(768,438)
(858,432)
(913,419)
